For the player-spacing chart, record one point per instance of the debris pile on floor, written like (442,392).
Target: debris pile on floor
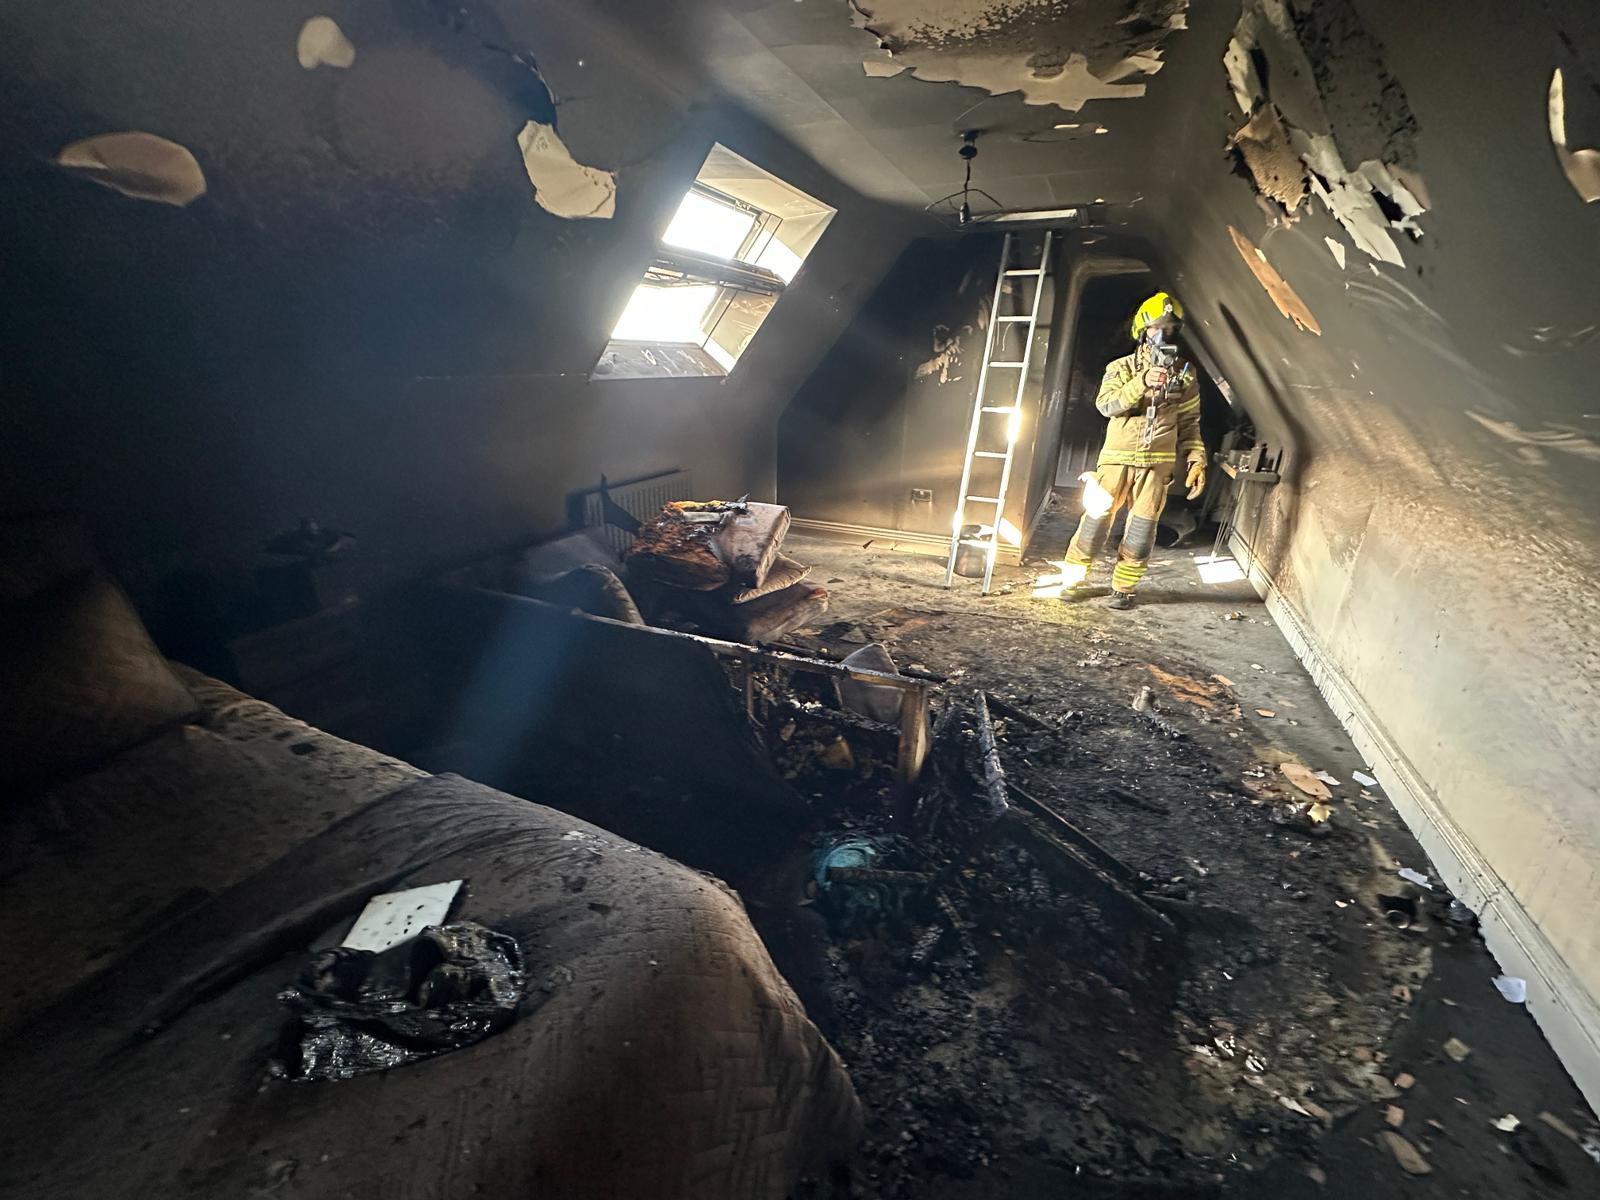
(1012,1037)
(1110,946)
(1141,932)
(836,739)
(1013,997)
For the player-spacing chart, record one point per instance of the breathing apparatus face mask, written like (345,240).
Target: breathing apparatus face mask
(1163,333)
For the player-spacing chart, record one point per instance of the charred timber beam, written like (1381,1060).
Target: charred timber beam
(1072,869)
(1010,711)
(1090,848)
(994,775)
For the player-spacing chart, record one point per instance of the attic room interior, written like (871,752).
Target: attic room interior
(800,599)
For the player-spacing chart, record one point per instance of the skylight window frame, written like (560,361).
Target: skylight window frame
(733,277)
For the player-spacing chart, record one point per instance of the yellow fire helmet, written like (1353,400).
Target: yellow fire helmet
(1153,309)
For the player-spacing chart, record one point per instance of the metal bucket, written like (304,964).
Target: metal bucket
(970,559)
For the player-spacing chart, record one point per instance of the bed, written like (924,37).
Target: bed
(160,893)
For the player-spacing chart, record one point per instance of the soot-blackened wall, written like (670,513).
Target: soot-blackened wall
(884,418)
(1436,536)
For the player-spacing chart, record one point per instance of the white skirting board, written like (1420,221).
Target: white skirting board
(934,544)
(1566,1014)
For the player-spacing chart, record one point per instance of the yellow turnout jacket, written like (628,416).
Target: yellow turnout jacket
(1149,429)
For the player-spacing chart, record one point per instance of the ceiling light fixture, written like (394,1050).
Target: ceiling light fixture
(959,204)
(1030,214)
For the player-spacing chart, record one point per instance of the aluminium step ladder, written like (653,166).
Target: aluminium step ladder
(994,424)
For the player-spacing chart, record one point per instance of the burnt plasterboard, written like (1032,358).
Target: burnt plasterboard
(1343,115)
(1264,147)
(323,44)
(1275,285)
(1581,165)
(562,185)
(140,165)
(1057,52)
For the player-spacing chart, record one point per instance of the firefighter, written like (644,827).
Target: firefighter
(1153,399)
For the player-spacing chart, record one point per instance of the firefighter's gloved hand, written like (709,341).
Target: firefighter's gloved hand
(1156,379)
(1196,480)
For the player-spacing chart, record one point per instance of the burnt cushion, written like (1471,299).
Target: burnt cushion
(784,572)
(765,619)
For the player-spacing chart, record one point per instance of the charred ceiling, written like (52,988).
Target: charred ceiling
(1061,52)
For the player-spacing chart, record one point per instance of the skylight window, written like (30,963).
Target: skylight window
(709,226)
(735,242)
(665,314)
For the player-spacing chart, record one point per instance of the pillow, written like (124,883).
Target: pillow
(80,679)
(783,572)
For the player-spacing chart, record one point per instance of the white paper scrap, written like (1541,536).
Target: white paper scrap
(1512,988)
(394,917)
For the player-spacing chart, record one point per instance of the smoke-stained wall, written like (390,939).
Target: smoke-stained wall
(875,436)
(1436,535)
(370,316)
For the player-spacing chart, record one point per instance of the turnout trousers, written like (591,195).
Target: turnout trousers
(1143,491)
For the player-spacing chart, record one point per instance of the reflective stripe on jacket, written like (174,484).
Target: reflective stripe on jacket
(1145,430)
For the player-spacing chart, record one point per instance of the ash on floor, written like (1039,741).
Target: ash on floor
(1290,1036)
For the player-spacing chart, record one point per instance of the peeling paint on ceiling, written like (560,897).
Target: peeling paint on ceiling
(1060,52)
(1331,109)
(1276,286)
(137,164)
(323,44)
(562,185)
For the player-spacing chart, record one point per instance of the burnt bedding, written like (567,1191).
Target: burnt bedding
(166,899)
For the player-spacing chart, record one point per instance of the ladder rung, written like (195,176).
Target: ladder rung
(981,543)
(989,454)
(999,408)
(985,499)
(1040,271)
(1024,317)
(1007,364)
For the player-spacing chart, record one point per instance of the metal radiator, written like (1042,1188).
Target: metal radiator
(641,497)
